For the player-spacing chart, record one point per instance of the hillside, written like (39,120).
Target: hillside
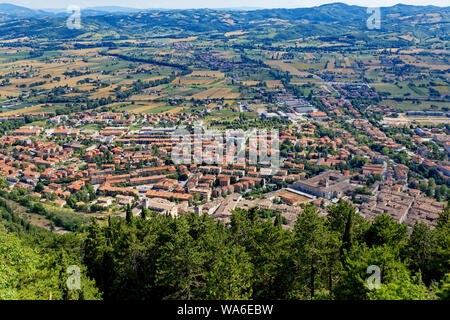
(327,20)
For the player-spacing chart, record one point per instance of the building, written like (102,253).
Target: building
(169,195)
(371,169)
(162,206)
(124,200)
(328,185)
(104,201)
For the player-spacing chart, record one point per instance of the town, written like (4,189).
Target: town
(225,154)
(127,162)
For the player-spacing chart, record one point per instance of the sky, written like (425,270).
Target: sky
(183,4)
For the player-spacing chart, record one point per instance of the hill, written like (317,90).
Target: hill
(326,20)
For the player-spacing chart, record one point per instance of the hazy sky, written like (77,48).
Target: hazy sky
(182,4)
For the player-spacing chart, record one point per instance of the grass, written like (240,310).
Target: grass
(160,109)
(222,115)
(401,90)
(142,107)
(409,106)
(36,108)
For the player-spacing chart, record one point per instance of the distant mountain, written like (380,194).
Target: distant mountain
(112,9)
(101,10)
(10,11)
(115,10)
(330,20)
(240,8)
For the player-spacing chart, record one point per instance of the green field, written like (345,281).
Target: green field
(409,105)
(401,90)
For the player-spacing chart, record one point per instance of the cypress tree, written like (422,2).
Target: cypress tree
(347,237)
(278,221)
(129,214)
(144,213)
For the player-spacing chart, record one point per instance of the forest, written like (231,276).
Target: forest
(156,257)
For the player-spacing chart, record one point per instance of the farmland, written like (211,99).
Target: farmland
(234,154)
(155,77)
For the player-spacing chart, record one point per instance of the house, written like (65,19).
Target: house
(124,200)
(318,116)
(329,184)
(162,206)
(104,201)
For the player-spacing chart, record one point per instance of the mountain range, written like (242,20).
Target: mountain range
(123,22)
(10,11)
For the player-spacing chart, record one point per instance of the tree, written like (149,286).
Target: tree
(402,287)
(309,243)
(266,245)
(444,217)
(337,216)
(384,230)
(444,291)
(231,275)
(195,257)
(29,273)
(441,256)
(420,250)
(97,255)
(145,213)
(347,236)
(39,187)
(333,257)
(278,221)
(129,214)
(91,192)
(180,270)
(348,225)
(352,284)
(3,183)
(71,201)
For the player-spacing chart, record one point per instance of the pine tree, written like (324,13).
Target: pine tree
(310,240)
(337,216)
(444,217)
(440,257)
(420,250)
(385,230)
(444,291)
(231,276)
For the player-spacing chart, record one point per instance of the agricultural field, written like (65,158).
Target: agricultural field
(403,119)
(216,93)
(285,67)
(358,117)
(156,79)
(418,105)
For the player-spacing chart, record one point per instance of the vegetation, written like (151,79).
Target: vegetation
(193,257)
(34,264)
